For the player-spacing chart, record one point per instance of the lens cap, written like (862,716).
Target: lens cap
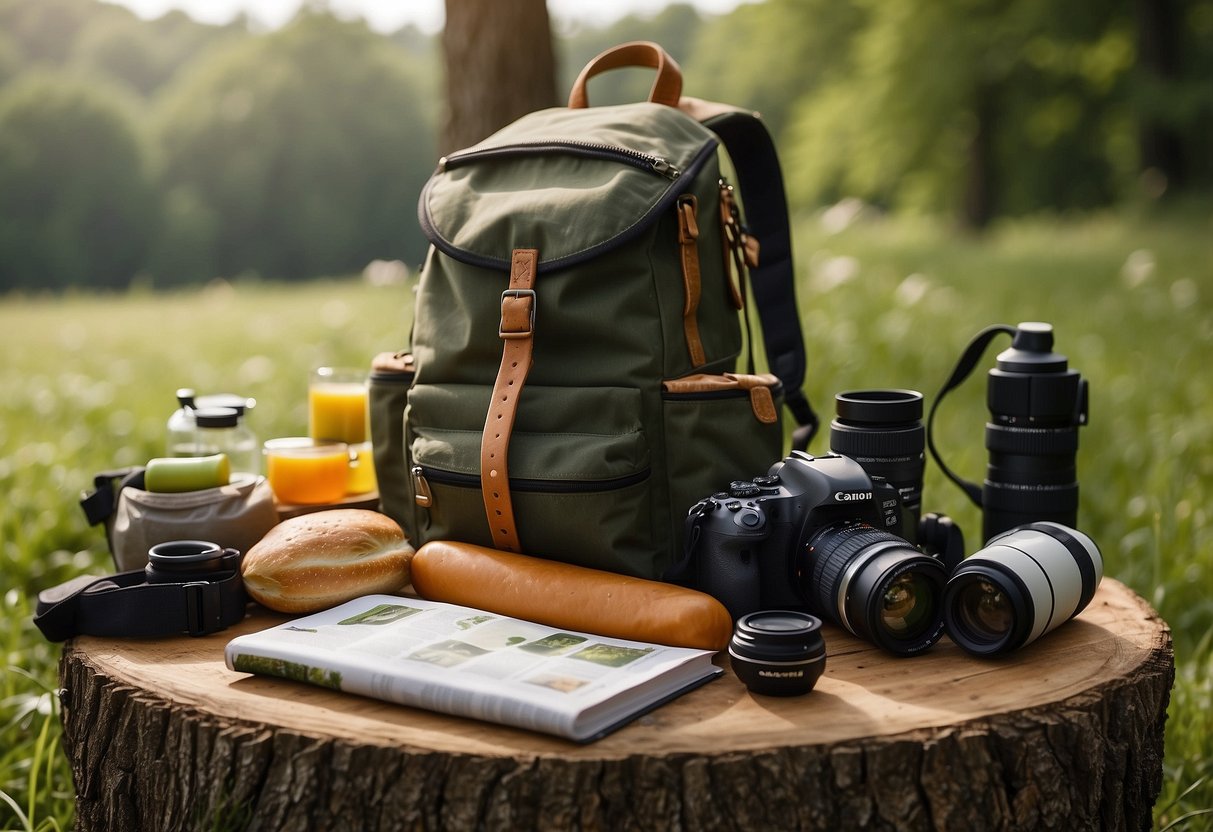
(778,652)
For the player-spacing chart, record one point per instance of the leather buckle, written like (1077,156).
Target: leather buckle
(517,293)
(202,608)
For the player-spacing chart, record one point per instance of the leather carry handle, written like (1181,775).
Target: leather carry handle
(667,86)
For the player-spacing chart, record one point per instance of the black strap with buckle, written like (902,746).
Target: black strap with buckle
(127,604)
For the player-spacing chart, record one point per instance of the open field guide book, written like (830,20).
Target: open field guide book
(475,664)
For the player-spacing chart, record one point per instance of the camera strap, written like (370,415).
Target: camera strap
(125,604)
(964,367)
(683,571)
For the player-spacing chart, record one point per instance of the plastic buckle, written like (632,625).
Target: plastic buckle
(517,293)
(202,608)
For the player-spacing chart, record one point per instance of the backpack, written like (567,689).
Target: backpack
(572,386)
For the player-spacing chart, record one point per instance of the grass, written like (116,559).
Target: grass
(88,384)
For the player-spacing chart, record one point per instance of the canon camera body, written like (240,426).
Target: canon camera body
(819,533)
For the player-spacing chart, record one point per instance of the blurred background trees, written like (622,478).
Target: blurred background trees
(178,151)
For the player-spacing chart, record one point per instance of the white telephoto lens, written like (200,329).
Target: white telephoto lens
(1024,583)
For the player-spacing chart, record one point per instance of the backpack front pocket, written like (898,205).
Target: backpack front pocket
(703,411)
(583,493)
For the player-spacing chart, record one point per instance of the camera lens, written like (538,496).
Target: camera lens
(875,585)
(1036,407)
(778,652)
(882,431)
(984,610)
(181,561)
(1023,584)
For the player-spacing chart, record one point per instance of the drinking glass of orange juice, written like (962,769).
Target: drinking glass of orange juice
(304,471)
(337,405)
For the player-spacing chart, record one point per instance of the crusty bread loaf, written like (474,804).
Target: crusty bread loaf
(318,560)
(570,597)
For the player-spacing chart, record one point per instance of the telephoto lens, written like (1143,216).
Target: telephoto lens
(1036,407)
(876,586)
(1024,583)
(778,652)
(882,431)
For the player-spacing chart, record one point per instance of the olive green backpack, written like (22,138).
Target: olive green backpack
(573,386)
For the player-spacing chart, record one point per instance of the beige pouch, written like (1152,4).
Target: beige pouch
(235,515)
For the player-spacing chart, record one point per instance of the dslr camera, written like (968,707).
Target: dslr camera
(819,533)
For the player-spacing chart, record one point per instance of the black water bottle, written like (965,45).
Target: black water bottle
(1037,403)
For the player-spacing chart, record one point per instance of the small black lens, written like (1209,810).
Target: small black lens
(181,561)
(778,652)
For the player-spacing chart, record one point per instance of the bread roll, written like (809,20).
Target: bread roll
(318,560)
(570,597)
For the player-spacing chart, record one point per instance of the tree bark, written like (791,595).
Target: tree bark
(1067,734)
(499,66)
(981,187)
(1161,148)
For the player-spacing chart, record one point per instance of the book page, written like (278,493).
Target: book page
(469,662)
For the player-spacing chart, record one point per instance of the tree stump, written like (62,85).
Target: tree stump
(1066,734)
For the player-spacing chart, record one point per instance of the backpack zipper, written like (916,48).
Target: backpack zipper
(596,150)
(422,476)
(634,230)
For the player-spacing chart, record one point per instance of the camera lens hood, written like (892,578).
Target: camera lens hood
(778,652)
(188,560)
(879,406)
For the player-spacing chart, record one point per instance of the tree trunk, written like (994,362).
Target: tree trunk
(499,66)
(980,185)
(1161,148)
(1067,734)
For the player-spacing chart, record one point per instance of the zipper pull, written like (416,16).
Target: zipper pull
(663,167)
(421,488)
(730,234)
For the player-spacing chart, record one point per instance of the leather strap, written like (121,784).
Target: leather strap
(752,150)
(688,234)
(517,334)
(667,86)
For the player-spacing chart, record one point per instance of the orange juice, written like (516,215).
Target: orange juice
(362,470)
(337,411)
(301,472)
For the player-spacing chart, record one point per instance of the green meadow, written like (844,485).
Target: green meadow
(87,383)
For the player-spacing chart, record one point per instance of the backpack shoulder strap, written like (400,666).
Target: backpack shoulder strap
(752,151)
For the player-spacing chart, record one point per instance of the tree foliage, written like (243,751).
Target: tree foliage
(974,107)
(299,153)
(77,202)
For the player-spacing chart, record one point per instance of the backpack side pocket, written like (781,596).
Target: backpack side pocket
(390,380)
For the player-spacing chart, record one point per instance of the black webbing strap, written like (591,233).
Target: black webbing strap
(99,504)
(126,605)
(774,285)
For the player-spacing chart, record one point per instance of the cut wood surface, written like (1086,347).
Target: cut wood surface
(1067,734)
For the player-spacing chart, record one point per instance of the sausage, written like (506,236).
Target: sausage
(570,597)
